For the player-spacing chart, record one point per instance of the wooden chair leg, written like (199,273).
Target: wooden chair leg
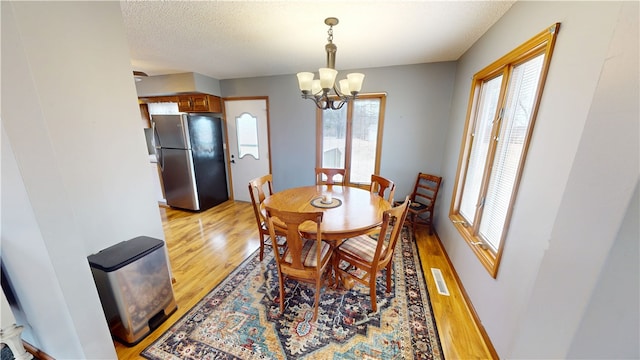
(281,281)
(316,304)
(337,277)
(372,294)
(389,266)
(261,246)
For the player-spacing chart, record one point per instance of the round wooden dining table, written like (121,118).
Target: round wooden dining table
(351,212)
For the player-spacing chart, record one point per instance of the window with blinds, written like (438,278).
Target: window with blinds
(504,101)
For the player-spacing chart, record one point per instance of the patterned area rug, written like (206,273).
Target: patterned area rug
(240,318)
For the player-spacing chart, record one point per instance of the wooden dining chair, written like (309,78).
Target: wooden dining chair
(371,255)
(330,175)
(302,259)
(257,192)
(423,201)
(380,184)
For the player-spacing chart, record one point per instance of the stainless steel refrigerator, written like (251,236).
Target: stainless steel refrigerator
(189,148)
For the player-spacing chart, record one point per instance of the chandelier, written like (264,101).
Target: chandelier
(319,90)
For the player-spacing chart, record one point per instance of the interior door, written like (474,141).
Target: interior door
(248,134)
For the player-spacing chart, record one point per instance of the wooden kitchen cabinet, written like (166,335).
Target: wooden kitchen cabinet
(144,115)
(199,103)
(195,102)
(156,99)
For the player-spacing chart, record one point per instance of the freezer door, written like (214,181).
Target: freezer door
(171,131)
(208,160)
(178,177)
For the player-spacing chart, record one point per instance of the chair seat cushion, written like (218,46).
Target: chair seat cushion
(376,235)
(362,246)
(418,207)
(414,206)
(309,254)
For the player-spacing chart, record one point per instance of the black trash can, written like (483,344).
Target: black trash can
(134,285)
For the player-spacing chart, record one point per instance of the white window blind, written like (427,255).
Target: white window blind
(521,94)
(487,107)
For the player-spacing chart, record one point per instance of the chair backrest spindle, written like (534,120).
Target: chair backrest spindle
(426,189)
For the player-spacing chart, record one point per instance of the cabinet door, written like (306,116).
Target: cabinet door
(191,102)
(184,103)
(144,115)
(200,103)
(154,99)
(215,105)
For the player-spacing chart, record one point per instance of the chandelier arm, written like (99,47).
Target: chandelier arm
(316,99)
(340,105)
(335,89)
(321,103)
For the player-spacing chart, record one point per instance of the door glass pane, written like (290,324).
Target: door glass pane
(334,132)
(247,132)
(487,106)
(521,95)
(364,140)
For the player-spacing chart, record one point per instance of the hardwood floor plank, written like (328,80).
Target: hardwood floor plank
(205,247)
(460,335)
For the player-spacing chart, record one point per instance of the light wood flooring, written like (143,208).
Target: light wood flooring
(205,247)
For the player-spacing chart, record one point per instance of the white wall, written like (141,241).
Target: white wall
(30,270)
(609,327)
(580,173)
(75,175)
(417,111)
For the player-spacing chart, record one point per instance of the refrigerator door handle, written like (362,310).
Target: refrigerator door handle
(160,158)
(157,145)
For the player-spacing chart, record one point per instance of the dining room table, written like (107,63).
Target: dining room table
(348,211)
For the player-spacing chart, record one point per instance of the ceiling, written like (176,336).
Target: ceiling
(237,39)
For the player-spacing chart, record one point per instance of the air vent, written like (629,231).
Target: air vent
(440,283)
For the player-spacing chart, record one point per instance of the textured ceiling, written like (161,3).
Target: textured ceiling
(236,39)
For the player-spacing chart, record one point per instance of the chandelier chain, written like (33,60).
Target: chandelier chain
(330,33)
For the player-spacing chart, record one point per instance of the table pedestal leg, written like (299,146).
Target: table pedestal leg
(348,283)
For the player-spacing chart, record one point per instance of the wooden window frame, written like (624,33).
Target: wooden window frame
(543,43)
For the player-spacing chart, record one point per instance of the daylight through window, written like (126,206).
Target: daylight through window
(350,138)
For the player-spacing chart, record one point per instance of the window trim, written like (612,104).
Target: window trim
(542,43)
(319,136)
